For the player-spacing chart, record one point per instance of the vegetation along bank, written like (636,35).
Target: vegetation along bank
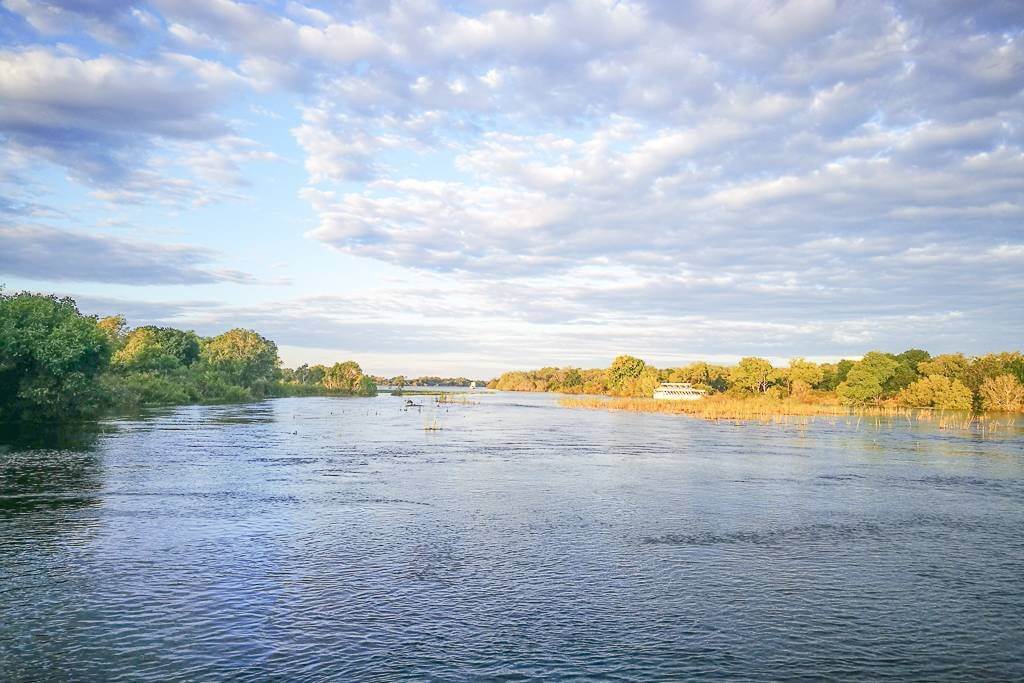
(912,379)
(57,364)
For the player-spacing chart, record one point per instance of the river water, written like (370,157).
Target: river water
(313,539)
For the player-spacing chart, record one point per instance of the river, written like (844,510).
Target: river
(312,539)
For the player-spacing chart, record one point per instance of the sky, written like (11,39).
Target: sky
(467,187)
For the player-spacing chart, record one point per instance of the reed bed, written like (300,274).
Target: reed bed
(459,398)
(711,408)
(800,413)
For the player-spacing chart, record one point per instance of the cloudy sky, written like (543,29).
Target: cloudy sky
(473,186)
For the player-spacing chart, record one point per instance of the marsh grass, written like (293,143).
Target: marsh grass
(800,413)
(411,392)
(460,398)
(712,407)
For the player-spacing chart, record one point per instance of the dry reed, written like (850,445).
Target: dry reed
(794,412)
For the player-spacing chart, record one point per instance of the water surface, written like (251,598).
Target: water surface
(316,538)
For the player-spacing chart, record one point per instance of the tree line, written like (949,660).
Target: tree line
(56,363)
(400,381)
(913,379)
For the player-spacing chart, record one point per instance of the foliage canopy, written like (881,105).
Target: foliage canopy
(56,364)
(50,358)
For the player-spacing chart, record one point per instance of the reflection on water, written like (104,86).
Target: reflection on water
(48,479)
(73,437)
(48,466)
(317,538)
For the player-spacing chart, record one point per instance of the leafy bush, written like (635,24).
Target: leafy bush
(1003,393)
(137,389)
(243,358)
(215,386)
(937,391)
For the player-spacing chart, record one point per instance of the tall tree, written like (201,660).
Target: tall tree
(914,356)
(866,379)
(50,357)
(623,372)
(116,329)
(803,375)
(752,375)
(158,348)
(242,356)
(951,365)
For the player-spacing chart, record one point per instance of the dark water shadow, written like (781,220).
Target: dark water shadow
(49,467)
(261,412)
(74,436)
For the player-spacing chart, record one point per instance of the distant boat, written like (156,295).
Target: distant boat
(678,391)
(472,385)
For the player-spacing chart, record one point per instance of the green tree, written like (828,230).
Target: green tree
(367,387)
(952,365)
(860,387)
(348,378)
(311,374)
(595,381)
(903,376)
(701,375)
(802,375)
(914,356)
(623,373)
(183,345)
(834,375)
(158,348)
(1016,367)
(514,380)
(573,380)
(116,329)
(643,385)
(989,366)
(937,391)
(843,368)
(752,375)
(242,358)
(50,358)
(866,379)
(343,377)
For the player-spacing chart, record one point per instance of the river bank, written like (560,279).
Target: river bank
(775,410)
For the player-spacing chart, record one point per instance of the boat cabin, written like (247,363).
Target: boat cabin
(678,391)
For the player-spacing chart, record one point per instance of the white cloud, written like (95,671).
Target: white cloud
(44,253)
(110,22)
(192,39)
(308,15)
(95,115)
(811,170)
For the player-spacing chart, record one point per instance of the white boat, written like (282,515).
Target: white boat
(678,391)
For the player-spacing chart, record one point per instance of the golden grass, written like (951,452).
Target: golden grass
(711,408)
(792,411)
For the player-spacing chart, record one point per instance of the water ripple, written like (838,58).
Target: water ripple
(333,539)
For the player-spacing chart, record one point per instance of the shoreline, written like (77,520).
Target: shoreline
(714,409)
